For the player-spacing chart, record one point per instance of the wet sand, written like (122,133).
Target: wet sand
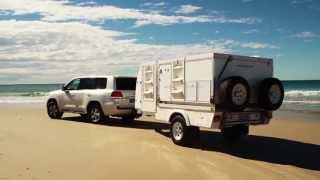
(32,146)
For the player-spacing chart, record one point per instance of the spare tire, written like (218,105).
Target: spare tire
(237,93)
(271,94)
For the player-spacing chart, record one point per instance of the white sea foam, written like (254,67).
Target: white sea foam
(291,97)
(302,93)
(23,100)
(301,102)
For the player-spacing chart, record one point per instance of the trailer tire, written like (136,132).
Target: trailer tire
(271,94)
(237,93)
(179,131)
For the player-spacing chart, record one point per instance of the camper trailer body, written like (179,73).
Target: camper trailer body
(197,87)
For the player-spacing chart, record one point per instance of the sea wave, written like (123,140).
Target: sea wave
(300,102)
(34,94)
(291,97)
(303,93)
(302,96)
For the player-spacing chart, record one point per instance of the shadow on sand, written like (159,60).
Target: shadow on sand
(261,148)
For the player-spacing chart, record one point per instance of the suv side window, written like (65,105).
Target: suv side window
(126,83)
(73,85)
(87,83)
(101,83)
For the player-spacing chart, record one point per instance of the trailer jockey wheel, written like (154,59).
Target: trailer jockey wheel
(237,93)
(271,94)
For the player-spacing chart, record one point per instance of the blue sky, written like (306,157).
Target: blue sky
(45,41)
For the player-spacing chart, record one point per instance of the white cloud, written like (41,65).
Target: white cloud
(251,31)
(152,4)
(300,1)
(187,9)
(256,45)
(305,35)
(35,51)
(54,11)
(231,44)
(42,52)
(87,3)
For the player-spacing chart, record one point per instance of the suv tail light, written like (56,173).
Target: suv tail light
(116,94)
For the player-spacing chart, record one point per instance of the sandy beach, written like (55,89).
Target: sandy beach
(32,146)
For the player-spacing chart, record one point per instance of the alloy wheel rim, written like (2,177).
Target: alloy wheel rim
(95,115)
(239,94)
(177,130)
(53,109)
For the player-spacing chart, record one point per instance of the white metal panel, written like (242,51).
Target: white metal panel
(201,116)
(199,80)
(138,96)
(204,91)
(201,119)
(199,56)
(165,74)
(199,70)
(191,91)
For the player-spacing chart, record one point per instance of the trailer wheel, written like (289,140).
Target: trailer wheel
(180,132)
(237,93)
(271,94)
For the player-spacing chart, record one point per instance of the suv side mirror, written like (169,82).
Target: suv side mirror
(63,88)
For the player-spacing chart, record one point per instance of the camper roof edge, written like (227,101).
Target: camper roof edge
(215,56)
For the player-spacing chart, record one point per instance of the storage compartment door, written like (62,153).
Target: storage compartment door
(165,82)
(149,88)
(199,80)
(138,96)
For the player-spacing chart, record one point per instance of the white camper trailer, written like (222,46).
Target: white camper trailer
(223,91)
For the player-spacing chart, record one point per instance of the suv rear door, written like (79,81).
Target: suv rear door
(127,86)
(87,88)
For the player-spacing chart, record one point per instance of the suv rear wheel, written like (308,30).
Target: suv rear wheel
(95,113)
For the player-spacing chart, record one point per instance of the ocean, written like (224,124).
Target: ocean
(302,95)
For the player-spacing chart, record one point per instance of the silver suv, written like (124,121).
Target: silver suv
(95,98)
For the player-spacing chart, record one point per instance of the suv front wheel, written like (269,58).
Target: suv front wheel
(53,110)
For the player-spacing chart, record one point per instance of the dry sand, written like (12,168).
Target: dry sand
(32,146)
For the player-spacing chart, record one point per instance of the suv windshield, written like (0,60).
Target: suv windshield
(73,85)
(125,83)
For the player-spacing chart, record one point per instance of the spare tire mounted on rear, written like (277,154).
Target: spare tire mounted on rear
(271,94)
(237,93)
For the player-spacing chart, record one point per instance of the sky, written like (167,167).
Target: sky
(48,41)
